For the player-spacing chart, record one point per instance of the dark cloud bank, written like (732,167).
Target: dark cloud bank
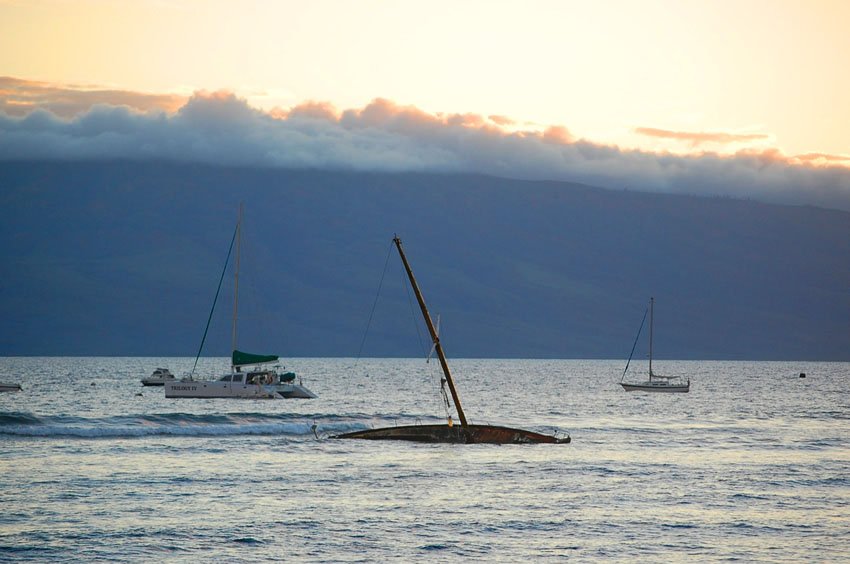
(221,129)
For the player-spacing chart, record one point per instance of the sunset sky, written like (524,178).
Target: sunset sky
(688,78)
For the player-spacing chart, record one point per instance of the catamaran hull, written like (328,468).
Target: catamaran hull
(471,434)
(663,388)
(215,389)
(294,391)
(210,390)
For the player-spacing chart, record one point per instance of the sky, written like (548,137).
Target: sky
(744,98)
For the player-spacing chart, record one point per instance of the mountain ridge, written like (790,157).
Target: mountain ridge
(122,258)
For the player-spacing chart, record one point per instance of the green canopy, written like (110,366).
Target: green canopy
(242,358)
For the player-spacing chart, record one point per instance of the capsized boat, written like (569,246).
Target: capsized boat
(655,382)
(158,377)
(9,387)
(250,375)
(465,433)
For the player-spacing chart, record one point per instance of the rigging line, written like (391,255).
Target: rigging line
(212,309)
(374,304)
(642,321)
(445,402)
(442,398)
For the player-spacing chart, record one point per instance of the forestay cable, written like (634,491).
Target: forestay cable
(212,309)
(374,304)
(635,344)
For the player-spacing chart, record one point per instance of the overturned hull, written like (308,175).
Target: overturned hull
(471,434)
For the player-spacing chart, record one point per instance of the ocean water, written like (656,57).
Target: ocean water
(753,465)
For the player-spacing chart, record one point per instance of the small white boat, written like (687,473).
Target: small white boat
(7,387)
(158,378)
(656,382)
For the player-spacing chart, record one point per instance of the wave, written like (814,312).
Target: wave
(199,425)
(181,424)
(18,419)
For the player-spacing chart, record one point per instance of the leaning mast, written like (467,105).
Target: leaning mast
(435,338)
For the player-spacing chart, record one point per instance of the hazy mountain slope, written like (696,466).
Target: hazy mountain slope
(124,258)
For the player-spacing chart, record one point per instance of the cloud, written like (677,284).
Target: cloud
(822,158)
(317,110)
(20,97)
(557,134)
(220,128)
(696,139)
(501,120)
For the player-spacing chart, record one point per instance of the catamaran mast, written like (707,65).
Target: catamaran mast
(236,277)
(434,337)
(651,311)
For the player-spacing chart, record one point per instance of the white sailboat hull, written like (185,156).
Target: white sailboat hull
(662,387)
(211,389)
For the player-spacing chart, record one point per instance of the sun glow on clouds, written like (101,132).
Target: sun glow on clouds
(696,139)
(43,121)
(19,97)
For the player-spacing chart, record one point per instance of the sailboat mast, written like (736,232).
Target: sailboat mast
(434,337)
(236,278)
(651,312)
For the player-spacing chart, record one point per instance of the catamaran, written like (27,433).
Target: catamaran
(656,382)
(465,433)
(250,376)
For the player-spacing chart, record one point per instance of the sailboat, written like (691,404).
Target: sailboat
(466,432)
(656,382)
(250,375)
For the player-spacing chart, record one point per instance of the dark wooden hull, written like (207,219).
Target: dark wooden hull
(471,434)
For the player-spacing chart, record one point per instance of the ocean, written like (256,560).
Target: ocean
(752,465)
